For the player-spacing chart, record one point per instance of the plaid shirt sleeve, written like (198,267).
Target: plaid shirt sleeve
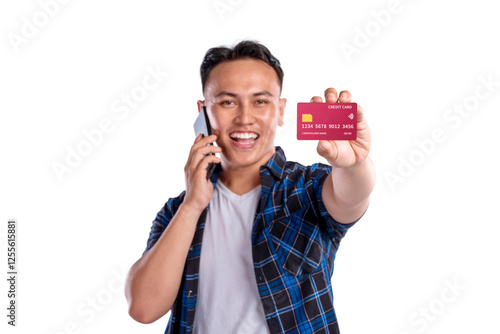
(162,219)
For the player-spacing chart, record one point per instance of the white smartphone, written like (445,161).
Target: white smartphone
(202,125)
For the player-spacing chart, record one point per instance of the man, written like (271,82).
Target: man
(251,249)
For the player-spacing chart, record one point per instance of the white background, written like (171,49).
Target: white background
(78,236)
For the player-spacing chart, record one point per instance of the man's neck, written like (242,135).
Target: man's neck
(241,180)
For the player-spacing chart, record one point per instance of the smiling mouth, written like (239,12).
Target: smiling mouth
(244,138)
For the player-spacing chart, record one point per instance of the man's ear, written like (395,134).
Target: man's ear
(200,104)
(282,111)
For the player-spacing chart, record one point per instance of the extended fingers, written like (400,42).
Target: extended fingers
(345,96)
(202,141)
(331,96)
(200,149)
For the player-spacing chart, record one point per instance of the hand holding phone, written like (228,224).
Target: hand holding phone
(202,125)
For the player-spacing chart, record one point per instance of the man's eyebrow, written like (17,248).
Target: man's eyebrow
(264,92)
(226,93)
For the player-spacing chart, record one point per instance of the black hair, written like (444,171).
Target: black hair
(242,50)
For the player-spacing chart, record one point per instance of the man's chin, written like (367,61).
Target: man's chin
(242,158)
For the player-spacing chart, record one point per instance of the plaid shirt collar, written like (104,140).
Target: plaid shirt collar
(275,165)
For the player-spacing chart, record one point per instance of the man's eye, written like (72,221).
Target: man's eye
(261,101)
(227,103)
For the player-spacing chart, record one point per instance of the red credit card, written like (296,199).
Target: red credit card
(337,121)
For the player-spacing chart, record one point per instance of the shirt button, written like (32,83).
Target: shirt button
(260,278)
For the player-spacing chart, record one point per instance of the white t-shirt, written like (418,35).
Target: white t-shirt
(228,300)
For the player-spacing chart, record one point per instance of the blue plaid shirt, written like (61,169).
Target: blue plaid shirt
(294,242)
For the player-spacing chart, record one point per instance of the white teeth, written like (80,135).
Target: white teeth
(244,135)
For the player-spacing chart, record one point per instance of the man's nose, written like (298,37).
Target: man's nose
(245,114)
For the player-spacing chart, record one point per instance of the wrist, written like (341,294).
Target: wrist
(354,168)
(190,211)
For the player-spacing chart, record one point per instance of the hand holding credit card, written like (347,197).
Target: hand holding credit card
(327,121)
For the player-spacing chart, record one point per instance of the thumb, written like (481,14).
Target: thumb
(326,150)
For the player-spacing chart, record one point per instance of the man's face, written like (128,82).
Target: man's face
(244,106)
